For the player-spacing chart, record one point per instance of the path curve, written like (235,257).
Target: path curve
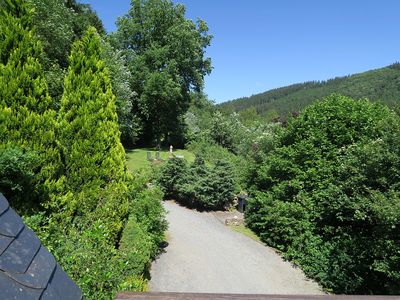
(204,256)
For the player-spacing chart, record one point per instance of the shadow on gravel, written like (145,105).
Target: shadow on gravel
(191,206)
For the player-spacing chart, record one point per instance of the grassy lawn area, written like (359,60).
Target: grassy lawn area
(137,158)
(246,231)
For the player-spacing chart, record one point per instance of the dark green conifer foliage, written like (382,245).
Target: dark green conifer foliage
(198,185)
(25,118)
(89,134)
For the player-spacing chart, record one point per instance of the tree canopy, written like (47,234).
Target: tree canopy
(165,55)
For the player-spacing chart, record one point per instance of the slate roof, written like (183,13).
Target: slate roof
(27,270)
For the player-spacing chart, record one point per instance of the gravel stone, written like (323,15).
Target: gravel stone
(205,256)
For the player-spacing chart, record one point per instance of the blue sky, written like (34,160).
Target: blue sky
(263,44)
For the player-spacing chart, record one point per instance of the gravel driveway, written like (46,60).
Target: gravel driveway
(206,256)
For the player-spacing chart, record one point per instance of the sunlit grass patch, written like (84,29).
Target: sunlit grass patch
(137,158)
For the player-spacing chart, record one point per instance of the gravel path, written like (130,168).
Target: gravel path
(205,256)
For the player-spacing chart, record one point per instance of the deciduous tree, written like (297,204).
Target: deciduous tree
(166,57)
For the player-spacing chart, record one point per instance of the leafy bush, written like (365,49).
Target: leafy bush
(90,260)
(136,246)
(17,177)
(98,266)
(328,195)
(210,151)
(198,185)
(150,214)
(221,185)
(104,251)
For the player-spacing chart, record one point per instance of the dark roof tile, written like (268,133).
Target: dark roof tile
(19,255)
(3,204)
(27,270)
(61,287)
(10,223)
(10,289)
(39,272)
(5,241)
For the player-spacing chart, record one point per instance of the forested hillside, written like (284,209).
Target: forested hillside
(377,85)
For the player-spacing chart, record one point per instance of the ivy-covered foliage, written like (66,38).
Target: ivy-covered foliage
(328,196)
(197,185)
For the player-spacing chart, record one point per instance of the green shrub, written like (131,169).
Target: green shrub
(90,260)
(209,151)
(101,251)
(136,246)
(220,187)
(199,186)
(17,177)
(98,267)
(329,195)
(171,175)
(150,214)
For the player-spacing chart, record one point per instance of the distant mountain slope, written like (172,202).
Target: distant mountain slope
(377,85)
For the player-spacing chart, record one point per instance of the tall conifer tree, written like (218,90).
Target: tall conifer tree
(26,120)
(89,133)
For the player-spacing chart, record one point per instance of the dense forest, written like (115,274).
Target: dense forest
(377,85)
(323,183)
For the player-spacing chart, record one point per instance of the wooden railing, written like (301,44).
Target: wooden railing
(193,296)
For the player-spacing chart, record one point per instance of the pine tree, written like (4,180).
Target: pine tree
(26,120)
(89,138)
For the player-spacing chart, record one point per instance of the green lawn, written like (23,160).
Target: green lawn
(246,231)
(137,158)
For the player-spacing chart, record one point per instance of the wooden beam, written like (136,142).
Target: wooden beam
(195,296)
